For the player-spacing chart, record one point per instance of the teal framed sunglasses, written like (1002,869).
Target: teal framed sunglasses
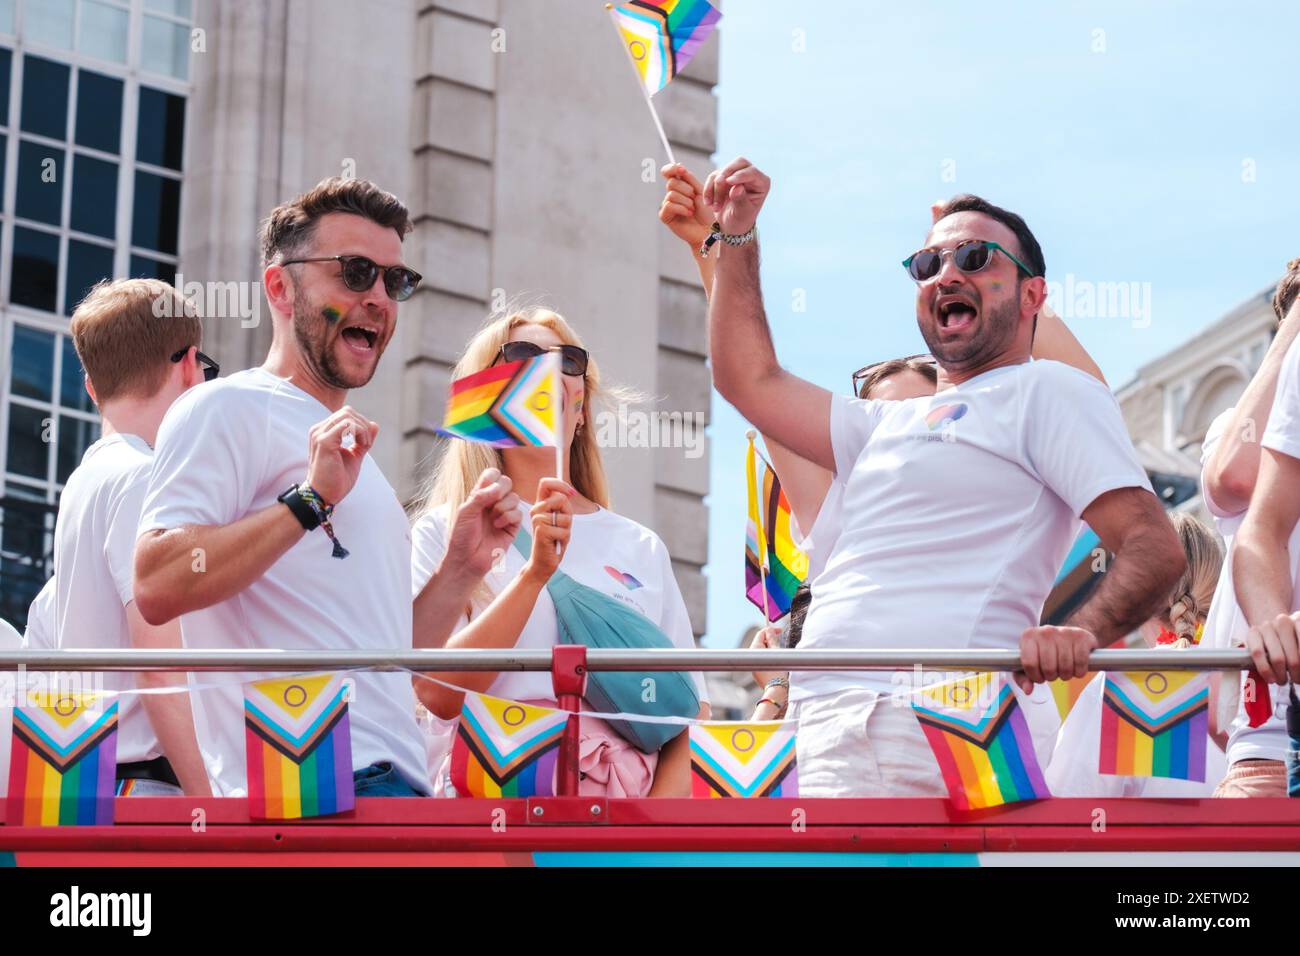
(969,256)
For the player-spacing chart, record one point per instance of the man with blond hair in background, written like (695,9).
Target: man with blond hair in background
(136,364)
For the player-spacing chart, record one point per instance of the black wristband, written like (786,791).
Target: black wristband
(305,513)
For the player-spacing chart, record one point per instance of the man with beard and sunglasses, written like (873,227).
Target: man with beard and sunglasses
(268,525)
(960,508)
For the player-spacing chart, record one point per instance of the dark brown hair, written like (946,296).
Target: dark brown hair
(868,378)
(291,224)
(1288,287)
(1031,253)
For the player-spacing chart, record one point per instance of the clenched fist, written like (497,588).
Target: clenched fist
(1053,653)
(336,448)
(735,193)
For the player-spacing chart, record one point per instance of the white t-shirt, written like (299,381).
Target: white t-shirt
(1225,625)
(40,619)
(94,549)
(1072,771)
(607,552)
(229,448)
(958,511)
(825,531)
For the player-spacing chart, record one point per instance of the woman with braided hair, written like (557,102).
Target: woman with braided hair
(1072,771)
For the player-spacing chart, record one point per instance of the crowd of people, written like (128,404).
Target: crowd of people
(215,512)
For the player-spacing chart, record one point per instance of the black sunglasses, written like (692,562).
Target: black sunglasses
(573,359)
(969,256)
(359,275)
(210,368)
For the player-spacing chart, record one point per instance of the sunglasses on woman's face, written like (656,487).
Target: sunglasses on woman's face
(210,368)
(969,256)
(358,274)
(573,359)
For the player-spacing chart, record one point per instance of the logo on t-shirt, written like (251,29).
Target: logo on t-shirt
(936,417)
(623,578)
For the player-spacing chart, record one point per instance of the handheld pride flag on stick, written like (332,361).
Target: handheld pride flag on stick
(661,37)
(981,740)
(1155,724)
(510,405)
(731,759)
(505,749)
(774,567)
(299,747)
(63,763)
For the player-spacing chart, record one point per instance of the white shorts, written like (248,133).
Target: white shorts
(858,743)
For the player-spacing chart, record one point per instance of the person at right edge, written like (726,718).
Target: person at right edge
(958,510)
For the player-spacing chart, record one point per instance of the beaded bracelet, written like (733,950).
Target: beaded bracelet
(323,511)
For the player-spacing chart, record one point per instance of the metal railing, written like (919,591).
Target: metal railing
(701,659)
(569,665)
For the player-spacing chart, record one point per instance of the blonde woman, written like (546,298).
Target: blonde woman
(1072,771)
(597,547)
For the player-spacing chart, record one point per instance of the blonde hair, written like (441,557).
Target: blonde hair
(462,462)
(126,331)
(1190,598)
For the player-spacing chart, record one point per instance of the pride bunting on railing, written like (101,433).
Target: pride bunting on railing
(505,749)
(1155,724)
(981,740)
(756,759)
(63,762)
(299,747)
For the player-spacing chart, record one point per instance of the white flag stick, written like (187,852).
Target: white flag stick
(663,137)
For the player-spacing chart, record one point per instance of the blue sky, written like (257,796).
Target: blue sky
(1163,150)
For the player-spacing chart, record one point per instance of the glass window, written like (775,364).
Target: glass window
(177,8)
(157,212)
(102,31)
(7,15)
(40,182)
(49,22)
(99,111)
(32,363)
(87,264)
(27,444)
(75,436)
(45,97)
(160,138)
(94,196)
(6,60)
(165,47)
(72,390)
(142,267)
(35,270)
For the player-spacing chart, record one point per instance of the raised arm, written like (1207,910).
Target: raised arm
(1054,340)
(683,211)
(193,566)
(1234,464)
(746,372)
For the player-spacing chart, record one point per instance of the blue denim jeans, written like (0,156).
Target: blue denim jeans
(382,780)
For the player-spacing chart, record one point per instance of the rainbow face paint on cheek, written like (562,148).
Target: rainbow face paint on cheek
(996,286)
(332,314)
